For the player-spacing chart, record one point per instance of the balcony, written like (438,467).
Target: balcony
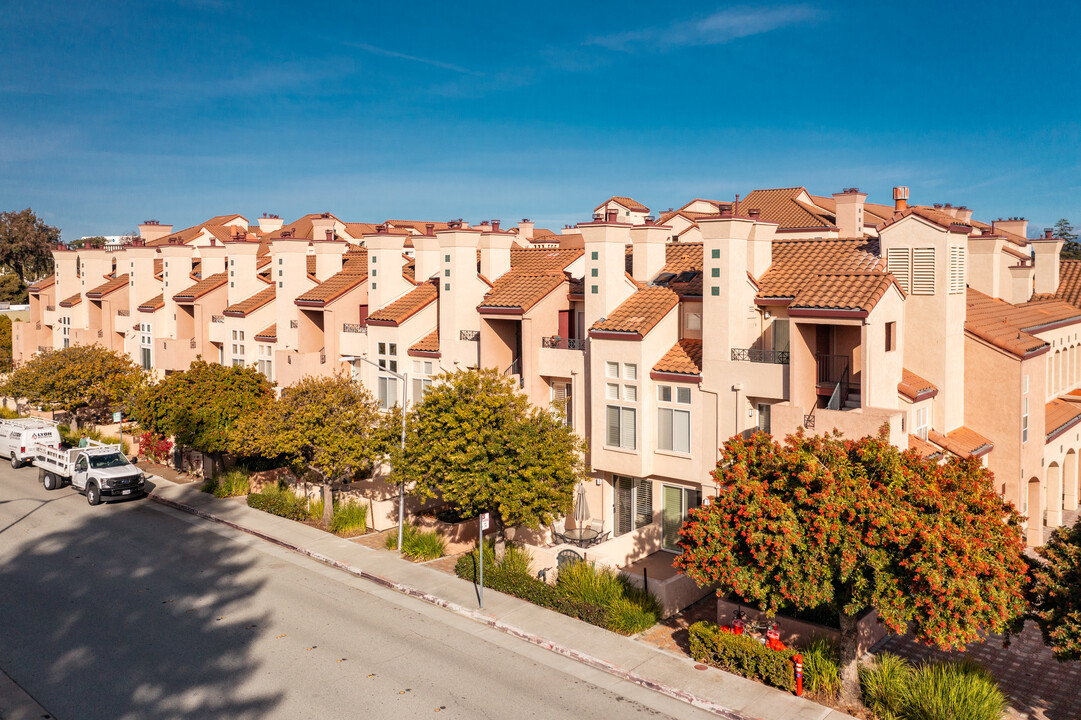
(355,328)
(776,357)
(835,379)
(559,343)
(217,318)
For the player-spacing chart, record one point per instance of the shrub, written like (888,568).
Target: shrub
(945,691)
(349,519)
(629,617)
(821,671)
(584,582)
(155,447)
(516,560)
(8,413)
(883,684)
(742,655)
(229,484)
(418,544)
(71,438)
(279,501)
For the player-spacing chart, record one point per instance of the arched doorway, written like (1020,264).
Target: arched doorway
(1053,501)
(1069,482)
(1033,528)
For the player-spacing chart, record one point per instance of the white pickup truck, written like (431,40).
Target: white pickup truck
(99,471)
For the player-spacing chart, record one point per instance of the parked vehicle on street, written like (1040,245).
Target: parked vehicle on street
(18,436)
(99,471)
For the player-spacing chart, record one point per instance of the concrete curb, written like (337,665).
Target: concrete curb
(475,615)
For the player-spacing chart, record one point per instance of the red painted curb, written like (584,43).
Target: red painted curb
(580,657)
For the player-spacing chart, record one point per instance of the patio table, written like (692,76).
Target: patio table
(582,537)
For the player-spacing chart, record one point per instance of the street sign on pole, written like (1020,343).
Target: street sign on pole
(485,521)
(482,525)
(116,417)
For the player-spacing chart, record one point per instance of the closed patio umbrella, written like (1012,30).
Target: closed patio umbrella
(581,508)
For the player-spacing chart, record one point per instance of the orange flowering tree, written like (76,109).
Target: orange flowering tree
(852,525)
(1056,592)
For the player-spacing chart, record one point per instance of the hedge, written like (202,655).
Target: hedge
(282,504)
(742,655)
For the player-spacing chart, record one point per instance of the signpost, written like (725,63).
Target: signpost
(118,418)
(484,519)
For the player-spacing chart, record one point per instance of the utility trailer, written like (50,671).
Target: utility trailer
(99,471)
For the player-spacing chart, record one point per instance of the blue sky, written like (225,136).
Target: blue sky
(116,112)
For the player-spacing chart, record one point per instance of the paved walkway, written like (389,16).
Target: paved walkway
(726,695)
(1038,686)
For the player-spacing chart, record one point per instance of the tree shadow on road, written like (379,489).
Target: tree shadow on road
(133,613)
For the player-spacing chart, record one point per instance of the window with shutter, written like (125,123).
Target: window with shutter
(643,502)
(923,271)
(957,270)
(899,262)
(612,438)
(628,429)
(624,496)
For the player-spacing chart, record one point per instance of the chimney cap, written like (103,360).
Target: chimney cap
(850,190)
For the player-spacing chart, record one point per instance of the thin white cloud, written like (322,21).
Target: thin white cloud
(721,27)
(402,56)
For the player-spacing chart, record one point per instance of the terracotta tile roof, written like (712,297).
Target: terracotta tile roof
(268,335)
(155,303)
(301,228)
(537,260)
(781,206)
(1011,327)
(113,284)
(159,266)
(251,304)
(640,312)
(629,203)
(262,262)
(331,289)
(684,358)
(1059,416)
(937,217)
(226,233)
(797,262)
(71,301)
(855,291)
(924,449)
(419,225)
(521,290)
(407,305)
(963,442)
(357,230)
(428,344)
(309,264)
(1069,283)
(222,219)
(913,387)
(1014,238)
(355,260)
(201,288)
(39,285)
(873,213)
(682,257)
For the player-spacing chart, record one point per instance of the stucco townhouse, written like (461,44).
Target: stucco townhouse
(661,337)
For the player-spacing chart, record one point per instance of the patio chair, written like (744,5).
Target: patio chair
(558,528)
(597,525)
(602,537)
(567,557)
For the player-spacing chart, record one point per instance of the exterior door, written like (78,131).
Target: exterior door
(677,501)
(82,466)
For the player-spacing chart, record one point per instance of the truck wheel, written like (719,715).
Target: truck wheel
(15,461)
(93,495)
(50,481)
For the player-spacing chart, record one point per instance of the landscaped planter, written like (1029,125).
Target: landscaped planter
(798,633)
(460,536)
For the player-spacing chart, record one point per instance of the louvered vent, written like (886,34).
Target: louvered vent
(957,270)
(923,271)
(899,262)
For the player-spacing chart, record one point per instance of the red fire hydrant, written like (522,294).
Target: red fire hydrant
(798,659)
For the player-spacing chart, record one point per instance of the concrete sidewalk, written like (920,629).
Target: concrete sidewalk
(724,694)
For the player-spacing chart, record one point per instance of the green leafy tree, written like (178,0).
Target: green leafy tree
(6,356)
(327,425)
(84,380)
(1072,249)
(851,525)
(477,442)
(13,290)
(1056,592)
(200,406)
(97,241)
(26,244)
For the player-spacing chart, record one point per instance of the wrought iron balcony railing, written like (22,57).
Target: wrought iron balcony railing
(560,343)
(777,357)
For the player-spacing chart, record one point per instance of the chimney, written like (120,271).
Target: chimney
(426,254)
(606,284)
(322,225)
(495,254)
(460,292)
(329,257)
(964,214)
(1015,225)
(212,258)
(1021,283)
(385,280)
(1047,251)
(613,215)
(270,223)
(495,226)
(760,248)
(525,229)
(649,243)
(429,229)
(849,212)
(241,260)
(984,264)
(152,230)
(900,198)
(176,275)
(1048,233)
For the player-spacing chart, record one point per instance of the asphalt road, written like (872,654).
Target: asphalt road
(131,610)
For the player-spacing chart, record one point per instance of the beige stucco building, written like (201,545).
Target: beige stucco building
(661,337)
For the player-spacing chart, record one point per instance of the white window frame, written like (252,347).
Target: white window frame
(639,513)
(922,423)
(672,409)
(265,363)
